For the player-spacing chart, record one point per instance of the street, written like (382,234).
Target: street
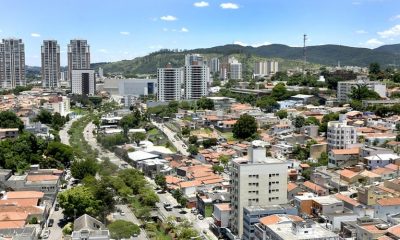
(178,143)
(129,216)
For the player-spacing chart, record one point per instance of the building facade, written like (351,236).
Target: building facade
(196,78)
(344,88)
(78,56)
(341,135)
(12,63)
(265,68)
(83,82)
(214,65)
(193,59)
(256,181)
(50,64)
(169,84)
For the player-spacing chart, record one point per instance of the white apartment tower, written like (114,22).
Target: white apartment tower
(196,78)
(12,63)
(344,88)
(256,181)
(265,68)
(214,65)
(78,56)
(235,69)
(169,84)
(83,82)
(193,59)
(340,135)
(50,64)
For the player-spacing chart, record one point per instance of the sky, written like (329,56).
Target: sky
(125,29)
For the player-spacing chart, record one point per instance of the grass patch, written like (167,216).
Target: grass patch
(228,136)
(81,148)
(153,131)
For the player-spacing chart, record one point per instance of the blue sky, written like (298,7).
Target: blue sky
(124,29)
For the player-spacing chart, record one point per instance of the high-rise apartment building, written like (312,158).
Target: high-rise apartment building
(50,64)
(344,88)
(256,181)
(196,78)
(78,56)
(12,63)
(193,59)
(214,65)
(83,82)
(340,135)
(169,84)
(235,69)
(265,68)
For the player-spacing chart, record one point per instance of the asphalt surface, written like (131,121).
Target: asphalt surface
(178,143)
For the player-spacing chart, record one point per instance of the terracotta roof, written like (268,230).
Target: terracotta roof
(349,151)
(369,174)
(223,206)
(274,219)
(395,230)
(291,186)
(314,187)
(373,229)
(172,180)
(20,202)
(229,122)
(12,224)
(304,165)
(388,201)
(24,194)
(13,216)
(382,170)
(393,166)
(347,199)
(384,237)
(39,178)
(187,184)
(348,173)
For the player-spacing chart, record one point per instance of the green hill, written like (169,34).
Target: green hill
(288,57)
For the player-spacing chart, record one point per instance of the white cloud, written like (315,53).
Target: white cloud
(165,29)
(253,45)
(103,50)
(201,4)
(229,5)
(373,42)
(395,17)
(124,33)
(168,18)
(35,34)
(361,32)
(392,32)
(184,29)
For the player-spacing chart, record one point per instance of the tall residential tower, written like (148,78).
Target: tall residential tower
(50,64)
(169,84)
(78,56)
(12,63)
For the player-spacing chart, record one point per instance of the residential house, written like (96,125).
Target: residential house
(89,228)
(343,157)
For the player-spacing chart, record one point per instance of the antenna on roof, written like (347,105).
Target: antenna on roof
(304,53)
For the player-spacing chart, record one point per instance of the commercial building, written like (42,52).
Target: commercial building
(50,64)
(256,181)
(340,135)
(12,63)
(169,83)
(78,56)
(344,88)
(83,82)
(196,78)
(130,86)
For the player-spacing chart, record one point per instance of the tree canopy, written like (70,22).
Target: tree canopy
(245,127)
(205,103)
(123,229)
(8,119)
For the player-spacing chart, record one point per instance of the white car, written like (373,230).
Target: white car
(122,213)
(46,234)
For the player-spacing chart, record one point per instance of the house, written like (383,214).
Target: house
(314,188)
(364,228)
(325,205)
(343,157)
(8,133)
(293,190)
(381,160)
(225,125)
(89,228)
(386,206)
(220,217)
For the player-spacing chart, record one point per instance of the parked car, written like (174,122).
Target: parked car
(57,207)
(122,213)
(51,222)
(200,217)
(46,234)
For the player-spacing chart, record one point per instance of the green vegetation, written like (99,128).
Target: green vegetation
(17,90)
(78,201)
(82,149)
(83,168)
(281,114)
(205,103)
(8,119)
(123,229)
(245,127)
(56,121)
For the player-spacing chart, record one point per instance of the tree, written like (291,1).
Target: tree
(224,159)
(362,92)
(44,117)
(374,68)
(78,201)
(299,121)
(245,127)
(193,139)
(279,92)
(210,142)
(217,168)
(137,137)
(8,119)
(192,149)
(183,201)
(267,104)
(82,168)
(281,114)
(60,152)
(161,181)
(205,103)
(148,197)
(57,121)
(185,131)
(133,178)
(323,159)
(312,121)
(123,229)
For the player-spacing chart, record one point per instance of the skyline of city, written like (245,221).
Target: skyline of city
(126,29)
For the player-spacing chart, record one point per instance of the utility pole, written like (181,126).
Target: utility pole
(304,53)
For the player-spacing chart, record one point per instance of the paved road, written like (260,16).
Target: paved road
(56,229)
(178,143)
(129,216)
(64,132)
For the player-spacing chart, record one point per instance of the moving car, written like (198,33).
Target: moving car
(46,234)
(51,222)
